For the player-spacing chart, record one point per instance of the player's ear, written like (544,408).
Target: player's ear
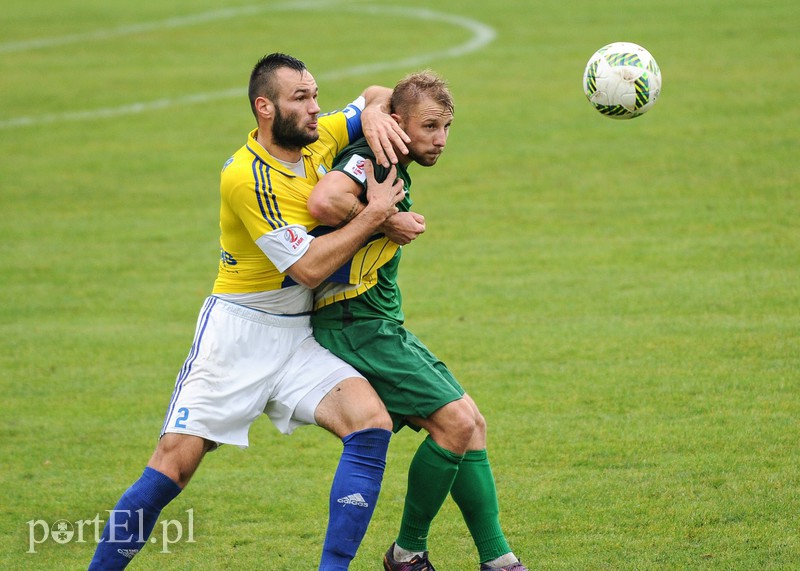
(399,120)
(264,107)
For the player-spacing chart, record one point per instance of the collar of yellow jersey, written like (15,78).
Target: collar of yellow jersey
(259,151)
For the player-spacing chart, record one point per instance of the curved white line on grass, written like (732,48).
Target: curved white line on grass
(481,36)
(168,24)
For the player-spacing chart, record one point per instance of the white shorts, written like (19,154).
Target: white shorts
(245,362)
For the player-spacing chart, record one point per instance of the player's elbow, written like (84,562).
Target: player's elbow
(333,200)
(306,275)
(312,282)
(318,208)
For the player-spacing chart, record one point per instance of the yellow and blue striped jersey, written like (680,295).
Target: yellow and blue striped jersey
(260,195)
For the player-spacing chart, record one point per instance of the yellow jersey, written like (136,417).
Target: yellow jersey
(259,196)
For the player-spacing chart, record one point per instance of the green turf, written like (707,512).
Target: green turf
(621,298)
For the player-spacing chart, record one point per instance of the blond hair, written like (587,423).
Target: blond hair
(417,86)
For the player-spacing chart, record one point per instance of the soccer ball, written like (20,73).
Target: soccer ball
(622,80)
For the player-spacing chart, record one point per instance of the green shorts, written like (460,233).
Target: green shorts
(410,380)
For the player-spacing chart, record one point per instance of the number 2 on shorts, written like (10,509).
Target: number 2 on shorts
(180,422)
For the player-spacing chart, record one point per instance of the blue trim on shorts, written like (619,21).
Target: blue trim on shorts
(261,311)
(190,359)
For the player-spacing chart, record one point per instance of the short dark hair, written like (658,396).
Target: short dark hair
(262,82)
(416,86)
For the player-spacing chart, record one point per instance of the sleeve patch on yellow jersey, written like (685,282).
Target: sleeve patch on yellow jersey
(293,240)
(285,246)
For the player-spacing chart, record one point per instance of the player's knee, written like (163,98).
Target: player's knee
(177,456)
(480,424)
(357,407)
(372,413)
(466,427)
(381,419)
(460,422)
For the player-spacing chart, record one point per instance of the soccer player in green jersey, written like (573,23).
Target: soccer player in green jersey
(361,321)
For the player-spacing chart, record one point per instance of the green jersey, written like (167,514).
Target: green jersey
(366,328)
(383,300)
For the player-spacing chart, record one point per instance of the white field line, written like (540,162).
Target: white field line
(481,35)
(168,24)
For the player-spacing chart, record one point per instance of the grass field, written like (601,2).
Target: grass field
(621,298)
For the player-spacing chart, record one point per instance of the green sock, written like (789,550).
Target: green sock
(475,494)
(430,477)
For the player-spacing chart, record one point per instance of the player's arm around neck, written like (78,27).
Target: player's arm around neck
(334,200)
(329,252)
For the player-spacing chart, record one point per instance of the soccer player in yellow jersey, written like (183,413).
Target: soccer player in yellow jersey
(364,326)
(253,351)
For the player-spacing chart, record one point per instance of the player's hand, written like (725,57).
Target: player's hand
(404,227)
(384,135)
(383,196)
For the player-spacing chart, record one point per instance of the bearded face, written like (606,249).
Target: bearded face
(289,132)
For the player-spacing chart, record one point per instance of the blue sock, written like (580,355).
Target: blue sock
(354,494)
(133,518)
